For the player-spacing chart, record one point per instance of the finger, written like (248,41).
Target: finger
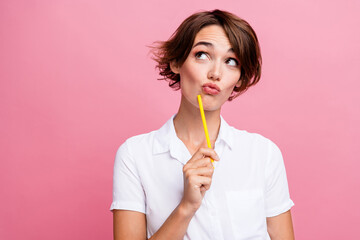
(203,189)
(204,171)
(207,152)
(197,182)
(203,162)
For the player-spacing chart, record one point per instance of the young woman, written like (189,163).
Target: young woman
(165,185)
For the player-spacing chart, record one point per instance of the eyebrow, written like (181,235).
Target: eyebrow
(207,44)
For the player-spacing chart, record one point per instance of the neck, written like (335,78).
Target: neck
(189,127)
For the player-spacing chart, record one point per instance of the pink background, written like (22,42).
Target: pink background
(77,80)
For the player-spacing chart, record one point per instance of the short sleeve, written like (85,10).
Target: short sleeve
(277,197)
(128,193)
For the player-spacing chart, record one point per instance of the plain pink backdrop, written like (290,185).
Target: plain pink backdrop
(76,80)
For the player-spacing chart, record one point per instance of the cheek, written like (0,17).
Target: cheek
(233,80)
(189,78)
(229,89)
(189,75)
(186,83)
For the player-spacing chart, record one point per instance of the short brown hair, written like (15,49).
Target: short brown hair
(241,36)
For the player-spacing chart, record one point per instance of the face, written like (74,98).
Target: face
(211,69)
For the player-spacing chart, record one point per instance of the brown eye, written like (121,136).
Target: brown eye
(232,62)
(200,55)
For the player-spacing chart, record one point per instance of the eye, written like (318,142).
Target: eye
(232,62)
(201,55)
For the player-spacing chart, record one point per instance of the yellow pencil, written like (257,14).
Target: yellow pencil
(204,122)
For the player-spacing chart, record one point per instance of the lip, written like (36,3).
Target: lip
(211,89)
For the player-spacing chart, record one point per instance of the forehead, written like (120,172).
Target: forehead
(214,34)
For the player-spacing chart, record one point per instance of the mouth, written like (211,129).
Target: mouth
(211,89)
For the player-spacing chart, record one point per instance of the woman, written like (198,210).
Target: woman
(165,185)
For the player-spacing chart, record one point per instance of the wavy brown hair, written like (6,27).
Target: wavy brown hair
(241,36)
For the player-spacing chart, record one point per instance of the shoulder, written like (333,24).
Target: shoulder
(134,143)
(258,147)
(255,139)
(150,141)
(140,139)
(133,150)
(255,144)
(146,141)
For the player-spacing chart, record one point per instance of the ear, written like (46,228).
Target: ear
(174,67)
(238,84)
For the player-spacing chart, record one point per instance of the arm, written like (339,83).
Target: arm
(132,225)
(197,180)
(129,225)
(280,227)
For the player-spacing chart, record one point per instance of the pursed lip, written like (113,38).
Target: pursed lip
(212,86)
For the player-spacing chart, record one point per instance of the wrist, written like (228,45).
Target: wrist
(186,210)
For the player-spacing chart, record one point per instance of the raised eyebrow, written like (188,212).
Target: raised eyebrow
(207,44)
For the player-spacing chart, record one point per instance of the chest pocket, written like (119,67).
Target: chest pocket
(247,214)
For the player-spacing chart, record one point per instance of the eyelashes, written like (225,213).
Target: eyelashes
(203,56)
(233,60)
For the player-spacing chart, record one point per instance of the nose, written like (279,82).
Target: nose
(215,71)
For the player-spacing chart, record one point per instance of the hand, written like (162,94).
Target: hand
(197,173)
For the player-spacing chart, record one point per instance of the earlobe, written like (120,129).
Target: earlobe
(174,68)
(238,84)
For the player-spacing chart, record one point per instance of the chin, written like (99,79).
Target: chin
(216,101)
(211,107)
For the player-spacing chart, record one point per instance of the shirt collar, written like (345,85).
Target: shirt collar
(165,138)
(225,133)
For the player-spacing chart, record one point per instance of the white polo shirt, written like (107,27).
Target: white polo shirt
(249,183)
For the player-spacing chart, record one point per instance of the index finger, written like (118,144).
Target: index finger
(207,152)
